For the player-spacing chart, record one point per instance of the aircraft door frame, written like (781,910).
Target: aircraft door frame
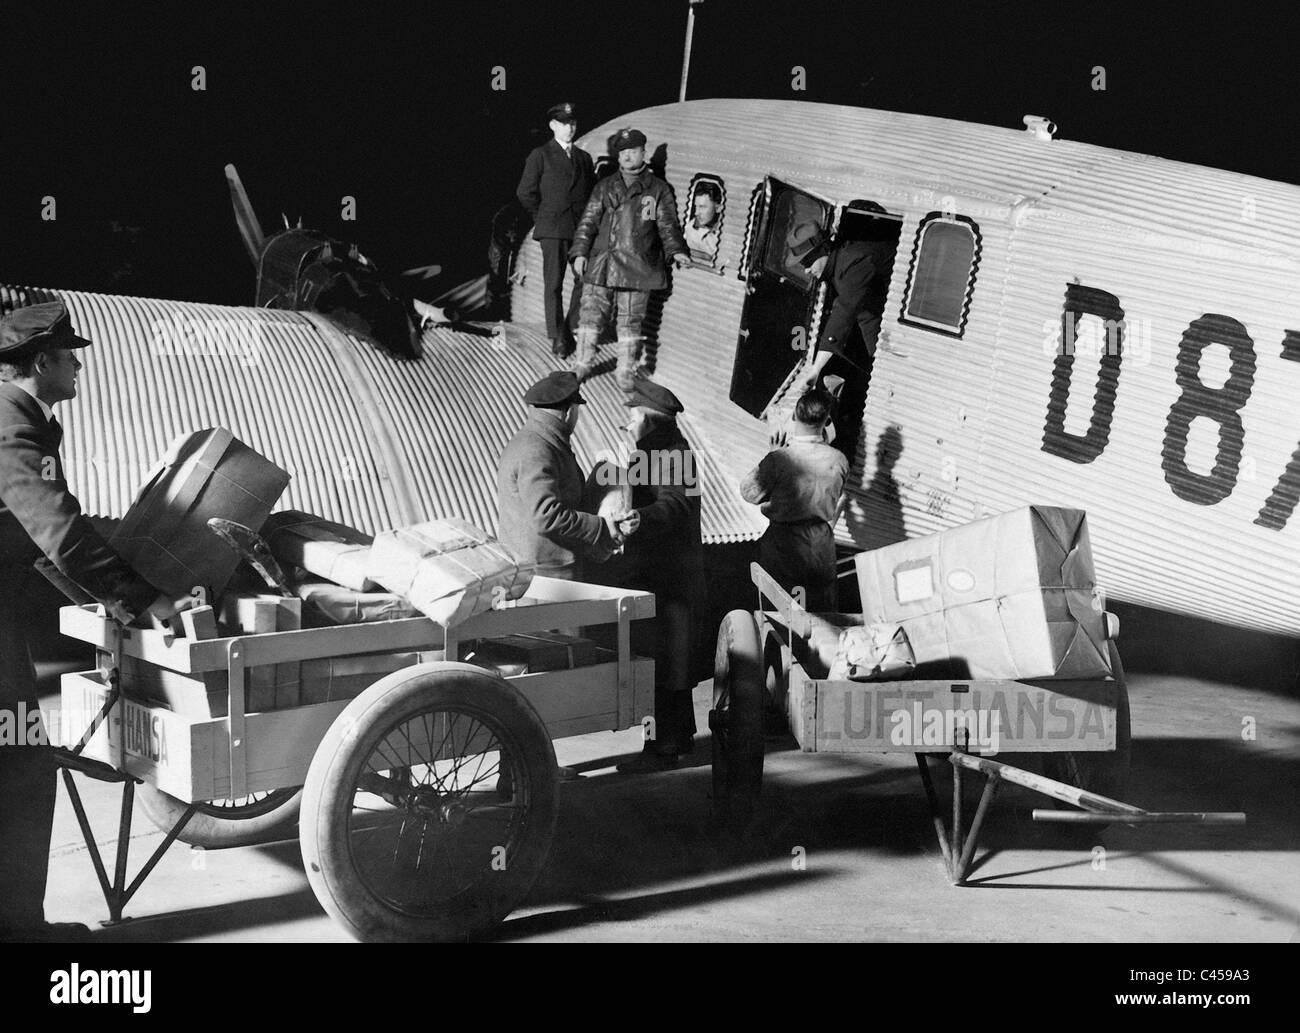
(779,295)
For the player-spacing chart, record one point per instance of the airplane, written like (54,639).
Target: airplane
(1066,324)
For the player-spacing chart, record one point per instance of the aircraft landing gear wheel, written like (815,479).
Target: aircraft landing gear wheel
(411,829)
(1104,773)
(255,818)
(736,720)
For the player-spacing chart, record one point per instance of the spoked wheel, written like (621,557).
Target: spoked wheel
(1104,773)
(430,806)
(736,720)
(255,818)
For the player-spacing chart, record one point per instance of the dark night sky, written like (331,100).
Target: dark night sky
(392,105)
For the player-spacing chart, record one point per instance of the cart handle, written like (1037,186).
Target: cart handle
(794,615)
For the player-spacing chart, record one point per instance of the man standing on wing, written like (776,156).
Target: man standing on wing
(557,179)
(620,249)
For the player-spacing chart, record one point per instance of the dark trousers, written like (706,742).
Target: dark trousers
(27,787)
(802,556)
(555,260)
(668,639)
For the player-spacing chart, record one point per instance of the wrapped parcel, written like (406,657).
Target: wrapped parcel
(1012,596)
(449,569)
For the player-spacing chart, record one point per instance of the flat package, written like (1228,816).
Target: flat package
(329,550)
(165,534)
(449,569)
(1012,596)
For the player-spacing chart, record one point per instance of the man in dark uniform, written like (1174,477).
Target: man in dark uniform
(41,523)
(540,493)
(664,554)
(858,273)
(557,179)
(540,486)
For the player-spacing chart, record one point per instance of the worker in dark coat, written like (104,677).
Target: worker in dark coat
(858,273)
(41,523)
(540,486)
(663,553)
(626,235)
(557,180)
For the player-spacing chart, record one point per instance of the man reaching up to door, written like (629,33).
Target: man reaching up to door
(858,273)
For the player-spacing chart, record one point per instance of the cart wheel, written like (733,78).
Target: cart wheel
(737,718)
(256,818)
(405,836)
(1103,773)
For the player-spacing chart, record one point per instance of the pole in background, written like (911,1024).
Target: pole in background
(686,51)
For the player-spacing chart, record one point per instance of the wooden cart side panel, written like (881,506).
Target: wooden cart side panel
(576,605)
(802,709)
(189,758)
(586,699)
(917,716)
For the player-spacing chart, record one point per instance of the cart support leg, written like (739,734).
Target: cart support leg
(956,824)
(156,856)
(117,894)
(123,845)
(89,837)
(967,855)
(935,817)
(958,846)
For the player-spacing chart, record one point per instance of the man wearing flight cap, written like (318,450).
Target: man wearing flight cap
(858,273)
(663,553)
(540,486)
(557,179)
(626,233)
(41,523)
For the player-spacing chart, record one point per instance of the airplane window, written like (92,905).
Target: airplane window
(702,219)
(942,276)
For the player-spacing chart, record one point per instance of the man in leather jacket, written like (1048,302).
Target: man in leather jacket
(627,233)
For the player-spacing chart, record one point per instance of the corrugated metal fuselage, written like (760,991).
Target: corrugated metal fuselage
(1172,425)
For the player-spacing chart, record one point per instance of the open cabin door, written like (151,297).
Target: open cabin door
(780,294)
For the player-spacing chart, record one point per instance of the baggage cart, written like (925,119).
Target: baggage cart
(768,675)
(427,803)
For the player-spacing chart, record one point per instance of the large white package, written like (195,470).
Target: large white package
(1010,596)
(449,570)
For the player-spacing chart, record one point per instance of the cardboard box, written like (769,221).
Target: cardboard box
(448,569)
(210,473)
(538,651)
(259,615)
(1011,596)
(322,547)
